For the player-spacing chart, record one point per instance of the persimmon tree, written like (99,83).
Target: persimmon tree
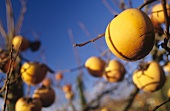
(132,36)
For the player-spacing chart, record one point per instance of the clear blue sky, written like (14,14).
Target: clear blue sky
(51,19)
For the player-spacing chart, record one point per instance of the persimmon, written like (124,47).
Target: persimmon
(33,73)
(158,13)
(67,88)
(59,76)
(46,82)
(150,79)
(19,42)
(167,67)
(95,66)
(28,104)
(69,95)
(115,71)
(46,95)
(130,35)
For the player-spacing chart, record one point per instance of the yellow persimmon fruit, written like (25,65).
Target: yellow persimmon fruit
(104,109)
(32,73)
(19,42)
(69,95)
(67,88)
(130,35)
(167,67)
(158,13)
(46,95)
(95,66)
(115,71)
(150,79)
(59,76)
(168,92)
(46,82)
(28,104)
(157,26)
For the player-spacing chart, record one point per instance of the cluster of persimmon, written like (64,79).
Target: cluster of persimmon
(157,17)
(130,36)
(114,71)
(67,89)
(33,73)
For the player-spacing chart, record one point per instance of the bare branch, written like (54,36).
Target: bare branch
(93,40)
(113,12)
(146,3)
(130,3)
(2,31)
(98,98)
(161,104)
(166,18)
(21,17)
(10,19)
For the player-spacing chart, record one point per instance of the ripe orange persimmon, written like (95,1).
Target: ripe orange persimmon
(167,67)
(95,66)
(150,79)
(168,92)
(115,71)
(67,88)
(46,82)
(33,73)
(157,26)
(46,95)
(59,76)
(19,42)
(130,35)
(28,104)
(69,95)
(158,13)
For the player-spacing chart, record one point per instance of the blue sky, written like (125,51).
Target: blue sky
(50,20)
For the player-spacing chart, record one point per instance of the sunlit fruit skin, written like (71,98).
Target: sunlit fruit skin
(28,104)
(67,88)
(167,67)
(130,35)
(157,26)
(115,71)
(158,13)
(20,42)
(59,76)
(151,79)
(46,95)
(95,66)
(46,82)
(33,73)
(69,95)
(168,92)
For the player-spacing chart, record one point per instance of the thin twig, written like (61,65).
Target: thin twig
(9,73)
(98,98)
(113,12)
(146,3)
(10,21)
(93,40)
(166,19)
(130,4)
(73,69)
(85,30)
(21,17)
(2,31)
(161,104)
